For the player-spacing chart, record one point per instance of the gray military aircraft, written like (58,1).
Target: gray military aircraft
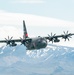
(37,42)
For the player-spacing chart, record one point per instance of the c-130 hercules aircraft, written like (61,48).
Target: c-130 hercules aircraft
(37,42)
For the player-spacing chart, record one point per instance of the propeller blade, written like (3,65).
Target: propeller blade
(51,33)
(67,32)
(51,38)
(5,39)
(66,35)
(48,35)
(11,38)
(65,39)
(54,34)
(8,37)
(68,39)
(21,40)
(64,32)
(8,40)
(52,41)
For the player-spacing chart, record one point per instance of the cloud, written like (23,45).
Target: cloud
(32,20)
(29,1)
(2,11)
(15,19)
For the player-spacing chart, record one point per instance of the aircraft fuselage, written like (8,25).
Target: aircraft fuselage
(36,43)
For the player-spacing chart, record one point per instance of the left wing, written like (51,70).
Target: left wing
(54,38)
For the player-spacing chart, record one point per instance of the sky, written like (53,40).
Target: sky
(42,17)
(60,9)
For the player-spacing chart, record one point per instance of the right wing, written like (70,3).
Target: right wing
(8,41)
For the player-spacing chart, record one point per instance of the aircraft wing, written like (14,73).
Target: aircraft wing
(16,40)
(8,41)
(54,38)
(50,37)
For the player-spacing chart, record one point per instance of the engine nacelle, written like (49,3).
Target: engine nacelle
(56,40)
(13,44)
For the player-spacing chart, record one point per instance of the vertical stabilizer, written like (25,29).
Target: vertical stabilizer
(24,30)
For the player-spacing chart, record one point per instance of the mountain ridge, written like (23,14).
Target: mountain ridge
(53,60)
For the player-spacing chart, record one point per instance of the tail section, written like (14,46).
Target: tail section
(24,30)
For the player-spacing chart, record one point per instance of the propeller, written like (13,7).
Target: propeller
(8,40)
(66,35)
(51,37)
(22,41)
